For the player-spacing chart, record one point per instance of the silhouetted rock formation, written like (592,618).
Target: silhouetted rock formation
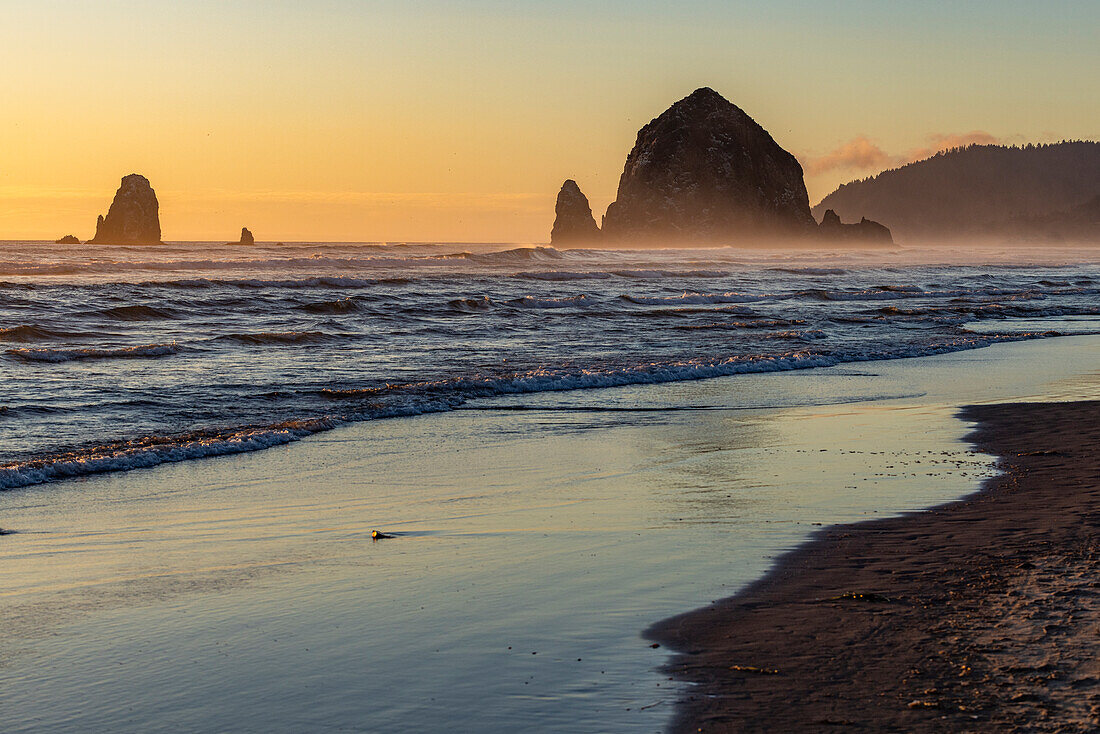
(573,221)
(981,190)
(865,231)
(67,240)
(246,237)
(704,171)
(134,216)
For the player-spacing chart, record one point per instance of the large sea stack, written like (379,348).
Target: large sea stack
(573,221)
(706,172)
(134,216)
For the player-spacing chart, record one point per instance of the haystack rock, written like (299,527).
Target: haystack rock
(246,237)
(864,231)
(704,171)
(67,240)
(573,221)
(134,216)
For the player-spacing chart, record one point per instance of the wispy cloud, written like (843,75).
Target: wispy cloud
(945,141)
(863,154)
(859,153)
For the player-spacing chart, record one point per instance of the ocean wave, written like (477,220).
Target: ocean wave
(278,337)
(442,395)
(502,257)
(656,274)
(565,302)
(470,305)
(312,282)
(30,333)
(152,451)
(738,325)
(810,271)
(700,298)
(340,305)
(136,313)
(564,275)
(143,351)
(805,335)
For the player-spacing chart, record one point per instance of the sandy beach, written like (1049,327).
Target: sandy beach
(980,615)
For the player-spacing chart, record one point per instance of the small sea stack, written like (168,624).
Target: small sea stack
(573,220)
(864,230)
(134,216)
(67,240)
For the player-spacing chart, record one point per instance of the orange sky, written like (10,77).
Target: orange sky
(425,120)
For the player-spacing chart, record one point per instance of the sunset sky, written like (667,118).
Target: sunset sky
(458,121)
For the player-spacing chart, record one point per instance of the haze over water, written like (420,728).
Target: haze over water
(117,357)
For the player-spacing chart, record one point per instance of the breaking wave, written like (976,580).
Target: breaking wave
(143,351)
(533,302)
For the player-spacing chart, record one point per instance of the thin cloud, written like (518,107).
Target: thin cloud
(945,141)
(859,153)
(863,154)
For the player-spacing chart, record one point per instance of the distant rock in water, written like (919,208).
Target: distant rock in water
(134,216)
(246,237)
(1030,193)
(704,171)
(864,231)
(573,221)
(67,240)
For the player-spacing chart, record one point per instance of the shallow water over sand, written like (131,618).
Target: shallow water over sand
(538,535)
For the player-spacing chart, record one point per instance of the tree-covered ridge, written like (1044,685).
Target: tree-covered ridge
(994,190)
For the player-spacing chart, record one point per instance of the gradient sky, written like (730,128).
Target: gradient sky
(458,121)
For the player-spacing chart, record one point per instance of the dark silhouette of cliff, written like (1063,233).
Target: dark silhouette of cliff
(1026,192)
(704,171)
(573,220)
(134,216)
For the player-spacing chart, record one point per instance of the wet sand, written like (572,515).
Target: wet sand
(980,615)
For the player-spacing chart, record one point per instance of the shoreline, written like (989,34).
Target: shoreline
(980,614)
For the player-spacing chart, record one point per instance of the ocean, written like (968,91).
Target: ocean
(115,358)
(529,424)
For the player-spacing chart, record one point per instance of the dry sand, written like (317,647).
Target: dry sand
(981,615)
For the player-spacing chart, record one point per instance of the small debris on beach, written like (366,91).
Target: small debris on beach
(754,669)
(861,596)
(379,535)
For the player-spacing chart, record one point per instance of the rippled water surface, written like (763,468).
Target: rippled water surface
(120,357)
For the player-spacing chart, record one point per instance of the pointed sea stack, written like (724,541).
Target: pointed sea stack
(246,237)
(865,231)
(573,221)
(134,216)
(705,172)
